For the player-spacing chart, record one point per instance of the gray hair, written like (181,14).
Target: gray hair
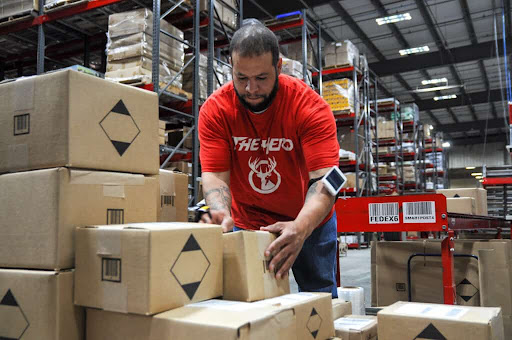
(254,39)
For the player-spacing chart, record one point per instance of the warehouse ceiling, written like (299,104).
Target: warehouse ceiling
(459,34)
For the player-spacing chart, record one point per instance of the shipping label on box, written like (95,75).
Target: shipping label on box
(147,268)
(246,273)
(173,197)
(212,319)
(356,327)
(408,320)
(39,305)
(111,128)
(40,210)
(312,310)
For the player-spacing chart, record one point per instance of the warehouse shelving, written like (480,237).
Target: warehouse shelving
(498,182)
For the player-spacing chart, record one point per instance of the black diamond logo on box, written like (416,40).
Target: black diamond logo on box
(13,316)
(190,267)
(120,127)
(314,323)
(430,333)
(466,290)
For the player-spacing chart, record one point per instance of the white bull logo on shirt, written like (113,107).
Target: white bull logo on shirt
(264,169)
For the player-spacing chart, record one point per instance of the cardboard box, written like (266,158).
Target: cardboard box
(147,268)
(185,167)
(246,274)
(480,196)
(175,137)
(356,327)
(462,205)
(340,308)
(40,210)
(213,320)
(390,260)
(173,197)
(313,312)
(386,129)
(347,139)
(351,180)
(406,320)
(85,122)
(38,305)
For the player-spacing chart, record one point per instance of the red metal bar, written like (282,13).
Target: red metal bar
(282,26)
(497,180)
(64,13)
(447,249)
(334,70)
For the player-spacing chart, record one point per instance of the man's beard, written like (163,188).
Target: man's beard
(267,99)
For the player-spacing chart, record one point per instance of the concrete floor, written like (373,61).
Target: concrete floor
(354,271)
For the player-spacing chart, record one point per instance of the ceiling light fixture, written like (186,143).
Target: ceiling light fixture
(446,145)
(393,18)
(478,177)
(414,50)
(476,174)
(437,88)
(434,81)
(431,127)
(450,96)
(470,167)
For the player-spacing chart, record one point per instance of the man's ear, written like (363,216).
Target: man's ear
(279,65)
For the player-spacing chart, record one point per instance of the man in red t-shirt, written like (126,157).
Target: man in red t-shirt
(266,140)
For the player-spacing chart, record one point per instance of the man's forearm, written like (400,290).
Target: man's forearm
(317,205)
(218,198)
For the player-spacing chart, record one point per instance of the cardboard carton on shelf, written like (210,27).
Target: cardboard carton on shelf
(213,319)
(37,304)
(173,201)
(42,208)
(111,128)
(409,320)
(356,327)
(246,273)
(147,268)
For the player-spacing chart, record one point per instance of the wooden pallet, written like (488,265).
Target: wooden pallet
(330,67)
(341,113)
(19,17)
(63,4)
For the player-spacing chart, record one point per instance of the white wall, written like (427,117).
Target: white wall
(494,154)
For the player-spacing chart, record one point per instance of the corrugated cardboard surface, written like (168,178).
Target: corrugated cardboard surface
(84,121)
(147,268)
(405,321)
(356,327)
(173,197)
(38,305)
(40,210)
(340,308)
(463,205)
(312,310)
(214,319)
(479,194)
(246,274)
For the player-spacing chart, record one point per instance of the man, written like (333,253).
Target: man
(266,141)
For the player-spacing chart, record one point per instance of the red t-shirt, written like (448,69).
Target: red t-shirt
(269,154)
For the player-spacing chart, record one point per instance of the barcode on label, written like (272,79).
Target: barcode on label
(166,200)
(383,213)
(22,124)
(419,212)
(111,269)
(115,216)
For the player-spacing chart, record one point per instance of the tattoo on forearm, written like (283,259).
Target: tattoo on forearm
(313,190)
(218,198)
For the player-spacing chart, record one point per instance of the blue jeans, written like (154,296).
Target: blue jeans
(315,266)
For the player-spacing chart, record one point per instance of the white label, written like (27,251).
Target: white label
(223,305)
(383,213)
(419,212)
(285,300)
(352,323)
(432,311)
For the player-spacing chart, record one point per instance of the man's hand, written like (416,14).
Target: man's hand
(285,249)
(219,217)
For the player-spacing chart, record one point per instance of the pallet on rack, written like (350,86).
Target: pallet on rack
(332,67)
(62,4)
(143,80)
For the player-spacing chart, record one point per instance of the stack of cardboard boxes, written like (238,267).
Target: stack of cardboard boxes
(341,54)
(339,94)
(292,68)
(130,49)
(52,137)
(188,76)
(470,201)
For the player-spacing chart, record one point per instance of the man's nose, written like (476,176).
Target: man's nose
(251,86)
